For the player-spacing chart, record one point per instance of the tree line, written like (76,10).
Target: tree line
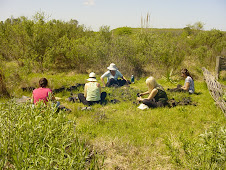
(39,45)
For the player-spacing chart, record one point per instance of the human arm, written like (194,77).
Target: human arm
(85,90)
(98,85)
(186,86)
(151,95)
(142,94)
(106,74)
(102,79)
(125,79)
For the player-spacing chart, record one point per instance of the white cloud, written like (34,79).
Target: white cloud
(89,3)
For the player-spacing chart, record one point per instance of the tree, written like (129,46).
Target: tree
(197,26)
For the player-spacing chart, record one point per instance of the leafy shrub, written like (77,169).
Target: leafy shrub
(123,31)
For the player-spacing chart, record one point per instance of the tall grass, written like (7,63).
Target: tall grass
(41,138)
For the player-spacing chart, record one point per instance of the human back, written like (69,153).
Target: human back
(42,93)
(93,91)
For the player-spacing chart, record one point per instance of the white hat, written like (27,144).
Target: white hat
(92,77)
(112,67)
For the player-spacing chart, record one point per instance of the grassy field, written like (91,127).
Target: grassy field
(124,137)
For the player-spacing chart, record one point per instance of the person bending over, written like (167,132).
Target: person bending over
(157,96)
(92,92)
(112,77)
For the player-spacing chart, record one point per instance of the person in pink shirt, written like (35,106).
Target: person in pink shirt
(42,93)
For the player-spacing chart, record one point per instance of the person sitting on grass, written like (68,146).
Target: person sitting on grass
(44,94)
(92,92)
(188,84)
(112,77)
(157,96)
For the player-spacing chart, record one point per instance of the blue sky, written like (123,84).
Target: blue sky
(118,13)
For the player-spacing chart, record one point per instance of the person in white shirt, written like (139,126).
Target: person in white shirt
(112,77)
(189,82)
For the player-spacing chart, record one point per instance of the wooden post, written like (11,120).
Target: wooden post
(217,66)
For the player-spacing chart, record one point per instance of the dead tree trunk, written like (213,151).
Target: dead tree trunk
(3,90)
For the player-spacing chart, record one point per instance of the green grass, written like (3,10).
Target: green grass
(41,138)
(129,138)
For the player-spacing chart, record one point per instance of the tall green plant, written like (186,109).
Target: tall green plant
(37,137)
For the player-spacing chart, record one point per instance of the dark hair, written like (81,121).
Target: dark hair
(186,72)
(43,82)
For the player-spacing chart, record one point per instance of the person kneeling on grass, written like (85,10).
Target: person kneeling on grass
(112,77)
(157,95)
(44,94)
(92,92)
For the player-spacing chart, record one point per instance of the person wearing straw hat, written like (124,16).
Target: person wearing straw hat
(112,77)
(92,92)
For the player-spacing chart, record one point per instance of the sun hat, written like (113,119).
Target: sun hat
(112,67)
(92,77)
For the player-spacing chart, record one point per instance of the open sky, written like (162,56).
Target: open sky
(119,13)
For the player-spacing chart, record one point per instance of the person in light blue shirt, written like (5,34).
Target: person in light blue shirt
(189,82)
(112,77)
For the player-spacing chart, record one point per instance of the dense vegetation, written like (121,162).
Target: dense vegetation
(40,138)
(182,137)
(39,45)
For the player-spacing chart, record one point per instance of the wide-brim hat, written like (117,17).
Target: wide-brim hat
(92,77)
(112,67)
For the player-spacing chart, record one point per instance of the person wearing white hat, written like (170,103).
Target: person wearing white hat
(112,77)
(92,92)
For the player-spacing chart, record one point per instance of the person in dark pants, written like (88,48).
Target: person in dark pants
(92,92)
(112,77)
(157,95)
